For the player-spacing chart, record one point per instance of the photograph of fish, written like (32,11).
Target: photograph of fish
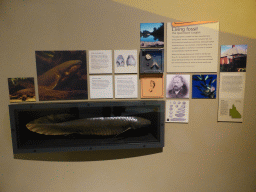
(152,35)
(233,58)
(21,89)
(204,86)
(61,75)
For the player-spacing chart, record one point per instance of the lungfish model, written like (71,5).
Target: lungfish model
(61,124)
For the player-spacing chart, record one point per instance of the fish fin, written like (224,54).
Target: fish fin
(47,125)
(115,137)
(47,129)
(123,132)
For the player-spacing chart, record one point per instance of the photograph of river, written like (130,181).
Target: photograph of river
(151,35)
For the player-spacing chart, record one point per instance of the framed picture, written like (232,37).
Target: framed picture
(151,35)
(61,75)
(125,61)
(152,86)
(151,61)
(177,86)
(204,86)
(21,89)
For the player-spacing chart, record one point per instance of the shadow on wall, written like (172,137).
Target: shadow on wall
(88,155)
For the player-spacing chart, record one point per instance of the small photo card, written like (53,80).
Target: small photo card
(101,87)
(126,86)
(151,35)
(152,86)
(177,86)
(233,58)
(21,89)
(177,111)
(100,61)
(125,61)
(204,86)
(151,61)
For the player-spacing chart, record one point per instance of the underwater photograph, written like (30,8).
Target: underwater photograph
(21,89)
(61,75)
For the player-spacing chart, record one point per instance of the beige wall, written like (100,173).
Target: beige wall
(204,155)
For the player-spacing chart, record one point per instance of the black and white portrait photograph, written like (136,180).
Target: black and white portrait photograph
(177,86)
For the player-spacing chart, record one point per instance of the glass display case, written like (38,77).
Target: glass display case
(50,127)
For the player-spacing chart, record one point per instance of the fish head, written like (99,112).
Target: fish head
(69,67)
(59,74)
(70,71)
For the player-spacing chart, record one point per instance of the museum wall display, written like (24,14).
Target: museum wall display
(88,104)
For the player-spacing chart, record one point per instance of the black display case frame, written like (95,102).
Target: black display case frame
(26,141)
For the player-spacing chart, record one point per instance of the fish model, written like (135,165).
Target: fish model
(62,124)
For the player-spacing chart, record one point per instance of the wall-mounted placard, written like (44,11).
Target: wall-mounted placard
(192,46)
(151,61)
(152,86)
(177,111)
(232,82)
(231,96)
(101,86)
(125,61)
(100,61)
(126,86)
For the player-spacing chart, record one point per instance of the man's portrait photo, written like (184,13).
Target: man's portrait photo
(177,86)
